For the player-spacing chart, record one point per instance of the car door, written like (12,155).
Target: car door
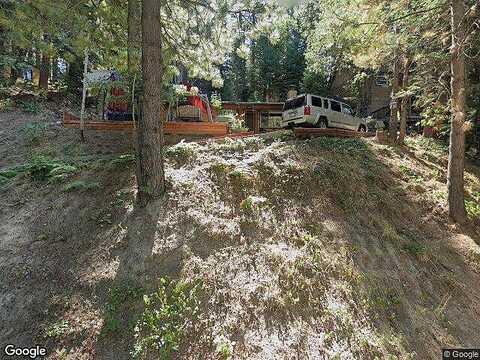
(335,117)
(348,119)
(316,107)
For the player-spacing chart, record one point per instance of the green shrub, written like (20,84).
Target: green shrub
(472,205)
(169,314)
(58,329)
(31,107)
(81,185)
(9,173)
(6,104)
(382,298)
(118,298)
(247,205)
(224,347)
(181,152)
(341,145)
(43,168)
(415,248)
(220,169)
(123,160)
(237,175)
(390,234)
(33,132)
(411,174)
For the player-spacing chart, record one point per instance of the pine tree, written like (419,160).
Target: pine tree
(150,171)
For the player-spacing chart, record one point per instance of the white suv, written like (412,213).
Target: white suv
(320,112)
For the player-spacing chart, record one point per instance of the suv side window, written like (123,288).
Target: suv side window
(325,103)
(347,109)
(316,101)
(335,106)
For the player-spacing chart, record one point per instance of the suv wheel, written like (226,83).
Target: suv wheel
(362,128)
(322,123)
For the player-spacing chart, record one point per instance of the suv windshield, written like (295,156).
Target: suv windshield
(294,103)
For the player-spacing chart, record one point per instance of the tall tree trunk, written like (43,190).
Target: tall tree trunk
(55,70)
(14,74)
(134,36)
(393,125)
(456,155)
(44,71)
(150,172)
(405,104)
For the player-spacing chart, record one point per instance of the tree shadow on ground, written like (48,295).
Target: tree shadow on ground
(405,258)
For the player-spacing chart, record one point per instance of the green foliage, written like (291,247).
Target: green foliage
(34,132)
(169,314)
(220,169)
(216,102)
(238,124)
(32,107)
(81,185)
(9,173)
(58,329)
(119,298)
(340,145)
(181,152)
(411,174)
(415,248)
(225,349)
(381,298)
(6,104)
(123,160)
(273,63)
(390,234)
(42,168)
(472,205)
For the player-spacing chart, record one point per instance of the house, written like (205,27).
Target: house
(374,94)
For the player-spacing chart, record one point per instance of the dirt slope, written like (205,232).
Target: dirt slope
(318,249)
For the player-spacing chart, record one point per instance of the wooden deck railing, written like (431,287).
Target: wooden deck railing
(183,128)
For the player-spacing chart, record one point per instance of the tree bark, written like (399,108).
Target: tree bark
(456,156)
(44,72)
(393,125)
(150,171)
(405,103)
(134,36)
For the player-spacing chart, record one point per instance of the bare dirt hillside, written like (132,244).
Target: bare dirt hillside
(263,248)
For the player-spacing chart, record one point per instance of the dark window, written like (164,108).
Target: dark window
(294,103)
(335,106)
(316,101)
(381,80)
(288,105)
(325,103)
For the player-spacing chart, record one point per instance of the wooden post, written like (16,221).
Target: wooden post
(256,121)
(84,95)
(209,111)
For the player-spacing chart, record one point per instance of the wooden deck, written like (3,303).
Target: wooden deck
(180,128)
(305,133)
